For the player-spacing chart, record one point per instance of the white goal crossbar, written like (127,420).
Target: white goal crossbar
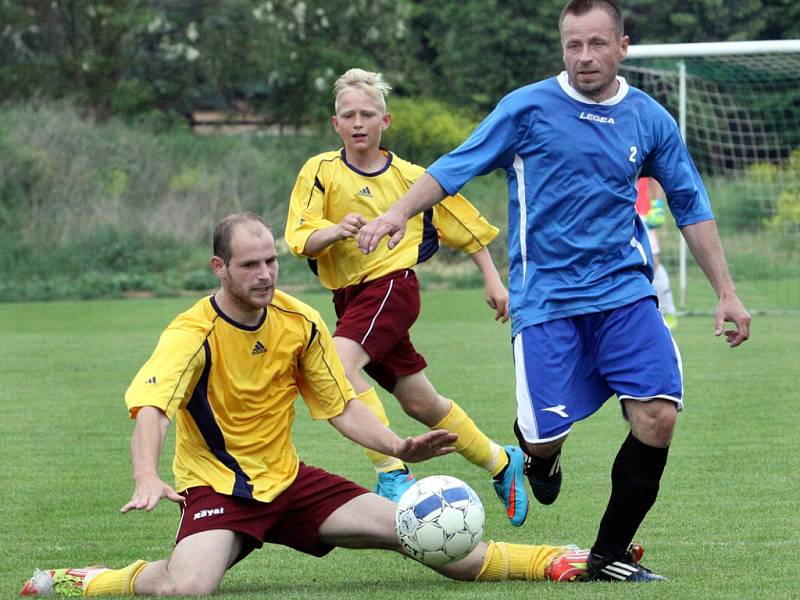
(713,49)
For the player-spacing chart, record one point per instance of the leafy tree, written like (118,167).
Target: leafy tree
(74,48)
(479,50)
(282,56)
(673,21)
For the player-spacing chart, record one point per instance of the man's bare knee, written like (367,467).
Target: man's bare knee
(653,422)
(187,587)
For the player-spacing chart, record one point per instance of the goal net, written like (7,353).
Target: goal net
(738,106)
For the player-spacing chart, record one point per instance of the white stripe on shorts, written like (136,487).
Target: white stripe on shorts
(375,318)
(526,418)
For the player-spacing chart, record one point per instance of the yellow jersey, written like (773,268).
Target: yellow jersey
(328,188)
(233,389)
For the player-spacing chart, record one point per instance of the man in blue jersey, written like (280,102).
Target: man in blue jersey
(585,320)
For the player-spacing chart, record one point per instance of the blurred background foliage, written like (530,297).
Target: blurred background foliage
(131,57)
(105,189)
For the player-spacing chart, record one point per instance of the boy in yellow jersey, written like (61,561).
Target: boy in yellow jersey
(227,371)
(376,296)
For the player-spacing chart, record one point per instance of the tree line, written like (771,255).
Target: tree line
(280,57)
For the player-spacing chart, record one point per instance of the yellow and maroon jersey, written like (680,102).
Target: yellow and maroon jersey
(233,389)
(328,188)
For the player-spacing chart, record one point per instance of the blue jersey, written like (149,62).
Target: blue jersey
(576,245)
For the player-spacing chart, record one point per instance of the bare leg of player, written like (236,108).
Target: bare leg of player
(368,521)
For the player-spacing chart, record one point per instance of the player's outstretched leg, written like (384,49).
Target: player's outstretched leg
(625,567)
(544,474)
(504,561)
(509,484)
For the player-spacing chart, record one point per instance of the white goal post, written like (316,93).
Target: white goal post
(738,108)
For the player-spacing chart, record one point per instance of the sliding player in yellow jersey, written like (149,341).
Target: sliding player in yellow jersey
(376,296)
(228,371)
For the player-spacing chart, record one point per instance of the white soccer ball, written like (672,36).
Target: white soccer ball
(439,520)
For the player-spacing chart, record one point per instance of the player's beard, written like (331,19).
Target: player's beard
(246,298)
(595,88)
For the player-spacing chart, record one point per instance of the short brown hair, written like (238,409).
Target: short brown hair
(223,232)
(581,7)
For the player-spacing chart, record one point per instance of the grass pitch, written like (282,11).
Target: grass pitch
(726,525)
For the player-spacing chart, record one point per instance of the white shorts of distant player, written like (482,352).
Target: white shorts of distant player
(651,235)
(660,277)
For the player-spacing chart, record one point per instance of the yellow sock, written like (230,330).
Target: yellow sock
(472,443)
(118,582)
(505,561)
(382,462)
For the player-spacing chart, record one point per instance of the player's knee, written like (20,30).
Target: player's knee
(423,406)
(415,407)
(538,449)
(654,422)
(187,584)
(545,449)
(187,587)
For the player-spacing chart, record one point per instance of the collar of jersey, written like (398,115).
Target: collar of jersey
(563,81)
(383,169)
(236,324)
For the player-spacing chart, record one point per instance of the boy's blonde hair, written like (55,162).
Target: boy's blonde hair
(368,82)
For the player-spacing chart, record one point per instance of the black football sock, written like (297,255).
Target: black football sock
(635,478)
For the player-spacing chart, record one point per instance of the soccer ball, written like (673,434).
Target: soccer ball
(439,520)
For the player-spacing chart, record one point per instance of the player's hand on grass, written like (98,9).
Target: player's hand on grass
(426,446)
(731,310)
(350,226)
(390,223)
(496,296)
(147,492)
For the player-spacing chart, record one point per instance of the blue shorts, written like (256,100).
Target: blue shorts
(567,368)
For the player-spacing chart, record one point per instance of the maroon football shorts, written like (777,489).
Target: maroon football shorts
(378,314)
(293,519)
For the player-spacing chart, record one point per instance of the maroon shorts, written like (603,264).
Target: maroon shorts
(293,519)
(378,314)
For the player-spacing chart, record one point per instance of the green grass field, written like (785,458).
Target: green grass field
(727,523)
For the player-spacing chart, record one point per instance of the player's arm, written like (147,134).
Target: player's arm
(704,242)
(306,216)
(495,292)
(422,195)
(347,228)
(488,147)
(324,388)
(146,445)
(358,424)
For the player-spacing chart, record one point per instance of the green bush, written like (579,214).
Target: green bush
(423,129)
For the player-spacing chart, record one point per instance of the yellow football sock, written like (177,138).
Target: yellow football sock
(472,443)
(118,582)
(505,561)
(382,462)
